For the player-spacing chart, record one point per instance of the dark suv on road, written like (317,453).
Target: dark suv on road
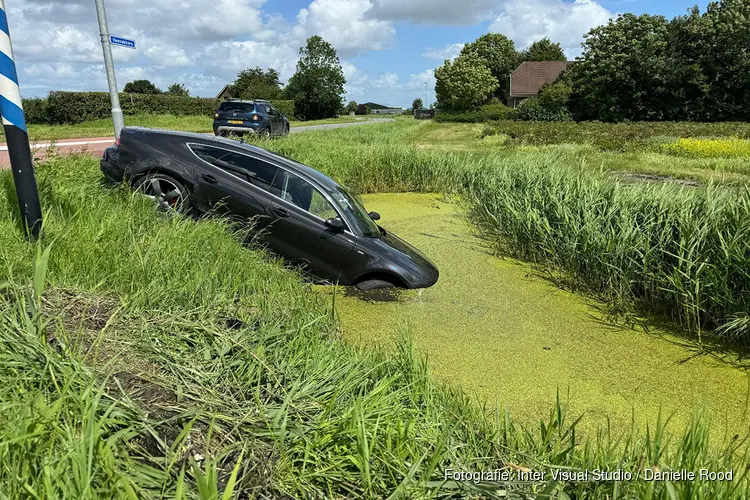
(236,116)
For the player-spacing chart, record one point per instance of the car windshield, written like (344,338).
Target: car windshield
(356,212)
(237,107)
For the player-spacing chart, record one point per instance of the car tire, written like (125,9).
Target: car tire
(369,285)
(169,194)
(264,134)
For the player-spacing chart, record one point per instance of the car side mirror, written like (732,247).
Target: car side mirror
(336,223)
(374,216)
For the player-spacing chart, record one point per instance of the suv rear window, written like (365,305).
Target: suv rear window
(237,107)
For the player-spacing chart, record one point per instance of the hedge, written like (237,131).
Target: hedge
(486,113)
(36,110)
(77,107)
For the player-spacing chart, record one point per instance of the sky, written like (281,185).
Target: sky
(388,48)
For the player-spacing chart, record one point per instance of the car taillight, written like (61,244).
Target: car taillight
(255,118)
(117,142)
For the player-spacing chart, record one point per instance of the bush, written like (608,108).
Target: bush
(77,107)
(534,110)
(709,148)
(486,113)
(36,111)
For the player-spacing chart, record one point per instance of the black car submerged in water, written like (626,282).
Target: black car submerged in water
(300,213)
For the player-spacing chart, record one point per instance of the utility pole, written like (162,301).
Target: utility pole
(424,94)
(14,124)
(117,118)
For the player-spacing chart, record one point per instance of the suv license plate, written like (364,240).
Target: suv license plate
(236,122)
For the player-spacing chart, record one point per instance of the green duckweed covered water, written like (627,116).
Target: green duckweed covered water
(505,335)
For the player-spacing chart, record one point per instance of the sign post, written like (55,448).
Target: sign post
(123,42)
(14,124)
(117,118)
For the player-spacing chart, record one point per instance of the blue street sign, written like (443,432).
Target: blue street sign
(123,42)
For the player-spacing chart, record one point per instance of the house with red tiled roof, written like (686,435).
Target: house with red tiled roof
(530,77)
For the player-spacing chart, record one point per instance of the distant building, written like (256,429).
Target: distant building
(226,93)
(379,109)
(530,77)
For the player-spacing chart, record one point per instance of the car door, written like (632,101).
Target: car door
(298,230)
(235,184)
(273,117)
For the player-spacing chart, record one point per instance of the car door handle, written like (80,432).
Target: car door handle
(281,212)
(209,178)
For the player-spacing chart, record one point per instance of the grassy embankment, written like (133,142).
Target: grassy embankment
(156,357)
(103,128)
(718,152)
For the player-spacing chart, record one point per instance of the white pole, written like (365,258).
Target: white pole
(117,118)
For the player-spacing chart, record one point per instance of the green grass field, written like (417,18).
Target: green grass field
(103,128)
(151,356)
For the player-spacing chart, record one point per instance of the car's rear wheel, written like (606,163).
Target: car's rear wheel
(374,284)
(264,134)
(168,193)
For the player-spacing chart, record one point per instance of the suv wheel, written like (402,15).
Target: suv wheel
(264,134)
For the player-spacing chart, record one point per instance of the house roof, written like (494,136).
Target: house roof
(530,76)
(374,105)
(218,96)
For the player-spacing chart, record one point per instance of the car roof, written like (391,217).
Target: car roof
(288,163)
(249,101)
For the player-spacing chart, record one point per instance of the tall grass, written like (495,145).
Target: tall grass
(682,253)
(145,356)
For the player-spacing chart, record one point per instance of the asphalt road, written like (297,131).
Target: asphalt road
(96,145)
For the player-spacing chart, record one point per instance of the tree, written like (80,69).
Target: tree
(709,62)
(543,50)
(178,89)
(141,87)
(464,83)
(624,72)
(351,107)
(255,83)
(318,85)
(499,55)
(417,104)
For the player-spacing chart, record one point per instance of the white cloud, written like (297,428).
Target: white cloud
(236,56)
(202,40)
(387,81)
(342,23)
(447,52)
(525,21)
(447,12)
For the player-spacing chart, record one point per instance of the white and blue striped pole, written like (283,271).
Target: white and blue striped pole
(14,124)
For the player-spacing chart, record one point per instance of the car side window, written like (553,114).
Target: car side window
(257,172)
(273,111)
(298,191)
